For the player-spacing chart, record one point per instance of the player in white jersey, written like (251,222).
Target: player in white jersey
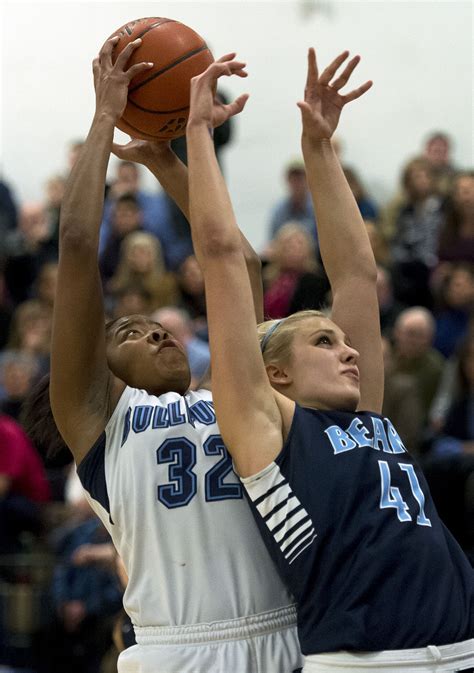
(202,594)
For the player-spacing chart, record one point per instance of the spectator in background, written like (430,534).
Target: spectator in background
(293,276)
(401,402)
(191,285)
(30,331)
(456,306)
(413,353)
(182,245)
(5,311)
(450,467)
(154,209)
(448,388)
(55,187)
(25,250)
(456,240)
(178,322)
(86,597)
(131,300)
(414,238)
(297,205)
(437,151)
(18,372)
(378,243)
(8,209)
(141,265)
(126,217)
(45,288)
(23,486)
(157,214)
(389,307)
(368,208)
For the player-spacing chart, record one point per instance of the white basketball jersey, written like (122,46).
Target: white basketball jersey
(162,482)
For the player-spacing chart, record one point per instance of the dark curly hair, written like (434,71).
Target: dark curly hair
(37,419)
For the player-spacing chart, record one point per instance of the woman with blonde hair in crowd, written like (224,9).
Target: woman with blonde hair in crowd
(142,265)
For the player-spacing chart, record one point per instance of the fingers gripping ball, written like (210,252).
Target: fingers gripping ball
(158,99)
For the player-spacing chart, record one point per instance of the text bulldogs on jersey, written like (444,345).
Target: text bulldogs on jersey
(144,416)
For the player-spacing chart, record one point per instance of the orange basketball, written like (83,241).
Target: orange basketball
(158,99)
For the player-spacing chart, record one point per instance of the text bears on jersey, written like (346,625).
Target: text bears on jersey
(144,416)
(358,435)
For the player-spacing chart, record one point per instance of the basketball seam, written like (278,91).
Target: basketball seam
(158,112)
(155,25)
(168,67)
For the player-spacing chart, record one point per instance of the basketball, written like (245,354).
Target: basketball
(158,99)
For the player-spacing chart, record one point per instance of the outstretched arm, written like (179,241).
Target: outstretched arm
(81,391)
(244,401)
(172,174)
(344,243)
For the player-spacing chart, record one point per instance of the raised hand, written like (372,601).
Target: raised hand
(141,151)
(322,105)
(205,107)
(111,80)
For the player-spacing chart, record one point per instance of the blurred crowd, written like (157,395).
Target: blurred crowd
(423,242)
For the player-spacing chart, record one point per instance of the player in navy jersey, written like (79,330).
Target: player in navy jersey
(344,510)
(203,596)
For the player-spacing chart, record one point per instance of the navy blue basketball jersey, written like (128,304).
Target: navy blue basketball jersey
(348,518)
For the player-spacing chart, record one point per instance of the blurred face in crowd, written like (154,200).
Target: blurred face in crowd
(131,302)
(141,258)
(17,377)
(294,250)
(419,182)
(413,334)
(460,290)
(437,152)
(35,334)
(127,217)
(190,276)
(128,178)
(297,185)
(33,223)
(463,194)
(55,191)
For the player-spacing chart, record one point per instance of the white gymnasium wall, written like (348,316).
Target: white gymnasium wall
(419,55)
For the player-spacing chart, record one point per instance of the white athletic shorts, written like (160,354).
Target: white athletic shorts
(431,659)
(264,643)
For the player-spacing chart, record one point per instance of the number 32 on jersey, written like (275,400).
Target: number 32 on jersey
(180,454)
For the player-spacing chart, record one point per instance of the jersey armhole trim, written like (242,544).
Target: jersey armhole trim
(278,460)
(91,473)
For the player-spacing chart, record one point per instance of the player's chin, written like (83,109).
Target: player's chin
(350,399)
(177,373)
